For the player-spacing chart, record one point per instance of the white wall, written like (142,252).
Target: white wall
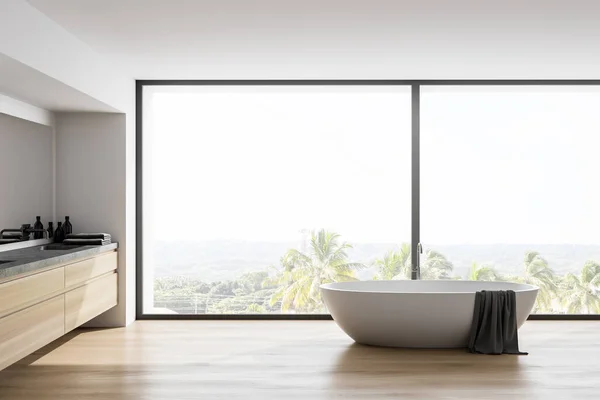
(27,84)
(91,186)
(340,39)
(20,109)
(30,37)
(103,199)
(26,172)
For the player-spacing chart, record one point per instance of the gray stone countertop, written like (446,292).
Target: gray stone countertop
(31,259)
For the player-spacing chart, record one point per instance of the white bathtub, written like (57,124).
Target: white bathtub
(419,314)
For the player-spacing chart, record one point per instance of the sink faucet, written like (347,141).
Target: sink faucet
(25,231)
(416,269)
(32,230)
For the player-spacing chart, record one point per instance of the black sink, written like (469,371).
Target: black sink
(59,246)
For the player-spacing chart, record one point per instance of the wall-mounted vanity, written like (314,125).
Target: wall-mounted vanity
(46,293)
(61,161)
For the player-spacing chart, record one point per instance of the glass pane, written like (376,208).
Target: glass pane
(510,192)
(254,196)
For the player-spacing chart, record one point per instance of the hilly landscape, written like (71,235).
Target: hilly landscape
(226,260)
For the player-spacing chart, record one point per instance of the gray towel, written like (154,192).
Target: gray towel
(102,236)
(12,235)
(87,242)
(494,326)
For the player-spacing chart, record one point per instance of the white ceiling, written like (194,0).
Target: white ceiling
(339,38)
(31,86)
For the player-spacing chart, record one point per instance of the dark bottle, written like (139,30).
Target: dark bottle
(59,233)
(38,225)
(67,226)
(50,230)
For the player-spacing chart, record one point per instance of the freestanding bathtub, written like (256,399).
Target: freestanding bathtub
(418,314)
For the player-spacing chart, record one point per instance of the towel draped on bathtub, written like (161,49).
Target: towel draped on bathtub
(494,326)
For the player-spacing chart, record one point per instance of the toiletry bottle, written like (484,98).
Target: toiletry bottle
(38,225)
(68,228)
(59,234)
(50,230)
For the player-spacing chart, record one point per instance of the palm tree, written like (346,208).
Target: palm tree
(538,273)
(436,266)
(581,294)
(302,274)
(482,273)
(395,264)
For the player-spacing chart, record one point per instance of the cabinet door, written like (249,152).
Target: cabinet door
(85,270)
(28,330)
(20,293)
(89,301)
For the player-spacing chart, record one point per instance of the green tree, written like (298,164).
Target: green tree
(395,264)
(250,282)
(538,273)
(178,293)
(436,266)
(302,274)
(256,309)
(482,273)
(581,294)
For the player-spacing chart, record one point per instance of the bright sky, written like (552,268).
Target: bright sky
(266,164)
(498,166)
(510,165)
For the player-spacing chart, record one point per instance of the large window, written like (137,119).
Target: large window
(254,194)
(509,189)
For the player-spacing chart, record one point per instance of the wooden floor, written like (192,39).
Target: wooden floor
(285,360)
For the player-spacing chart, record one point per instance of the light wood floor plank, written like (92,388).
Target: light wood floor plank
(180,360)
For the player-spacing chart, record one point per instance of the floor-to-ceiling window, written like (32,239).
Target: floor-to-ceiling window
(509,189)
(254,194)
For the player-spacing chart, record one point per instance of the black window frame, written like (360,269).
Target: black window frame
(415,86)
